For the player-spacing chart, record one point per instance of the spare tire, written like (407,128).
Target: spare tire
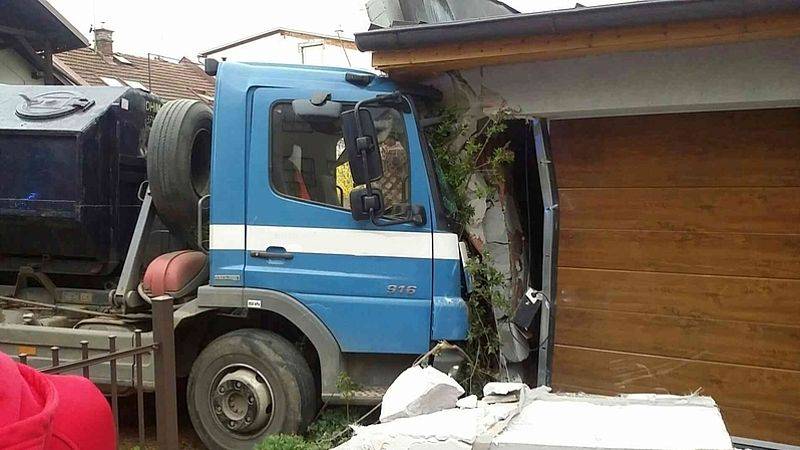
(179,164)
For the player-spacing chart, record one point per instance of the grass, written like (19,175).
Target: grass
(286,442)
(327,431)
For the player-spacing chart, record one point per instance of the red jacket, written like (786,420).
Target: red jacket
(58,412)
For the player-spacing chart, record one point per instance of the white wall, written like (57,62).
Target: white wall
(14,69)
(762,74)
(287,49)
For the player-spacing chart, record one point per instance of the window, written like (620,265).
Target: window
(308,160)
(136,84)
(121,59)
(111,81)
(312,53)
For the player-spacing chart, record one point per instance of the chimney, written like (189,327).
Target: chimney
(103,43)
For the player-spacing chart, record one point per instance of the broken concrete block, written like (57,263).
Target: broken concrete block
(494,224)
(419,391)
(502,392)
(543,420)
(652,422)
(498,388)
(449,429)
(468,402)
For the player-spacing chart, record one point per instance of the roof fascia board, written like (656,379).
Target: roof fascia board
(71,28)
(564,21)
(436,59)
(268,33)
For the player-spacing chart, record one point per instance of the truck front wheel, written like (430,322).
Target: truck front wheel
(247,384)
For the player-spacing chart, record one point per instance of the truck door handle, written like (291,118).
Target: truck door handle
(272,253)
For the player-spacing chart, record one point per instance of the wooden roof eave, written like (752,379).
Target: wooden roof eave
(427,61)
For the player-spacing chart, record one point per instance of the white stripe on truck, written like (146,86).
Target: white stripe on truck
(335,241)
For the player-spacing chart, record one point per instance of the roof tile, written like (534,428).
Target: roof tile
(169,80)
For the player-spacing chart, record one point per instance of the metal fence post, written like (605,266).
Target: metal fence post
(112,348)
(54,355)
(137,342)
(164,359)
(85,356)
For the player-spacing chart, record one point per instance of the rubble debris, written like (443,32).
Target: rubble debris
(468,402)
(419,391)
(502,392)
(543,420)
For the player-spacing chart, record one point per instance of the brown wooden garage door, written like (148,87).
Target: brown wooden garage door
(679,261)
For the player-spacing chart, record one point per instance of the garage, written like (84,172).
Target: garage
(679,261)
(674,136)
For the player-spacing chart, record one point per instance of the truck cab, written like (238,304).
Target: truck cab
(282,219)
(292,232)
(290,236)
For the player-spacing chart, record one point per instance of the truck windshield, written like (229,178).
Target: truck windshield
(308,161)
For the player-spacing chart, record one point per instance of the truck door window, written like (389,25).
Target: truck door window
(308,161)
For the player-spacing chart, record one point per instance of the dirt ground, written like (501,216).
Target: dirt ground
(129,432)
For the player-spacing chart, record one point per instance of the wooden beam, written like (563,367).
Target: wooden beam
(430,60)
(47,57)
(19,32)
(28,52)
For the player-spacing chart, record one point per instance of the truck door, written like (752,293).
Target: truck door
(371,285)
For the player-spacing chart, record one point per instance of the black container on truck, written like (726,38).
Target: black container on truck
(72,159)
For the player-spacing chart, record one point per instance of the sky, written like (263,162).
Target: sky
(177,28)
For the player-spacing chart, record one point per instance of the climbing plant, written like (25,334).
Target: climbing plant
(463,157)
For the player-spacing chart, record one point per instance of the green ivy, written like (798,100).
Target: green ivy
(478,154)
(482,152)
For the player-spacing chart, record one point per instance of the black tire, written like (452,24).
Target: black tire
(286,373)
(179,164)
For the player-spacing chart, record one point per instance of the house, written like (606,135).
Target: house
(284,45)
(673,129)
(389,13)
(101,66)
(31,32)
(39,46)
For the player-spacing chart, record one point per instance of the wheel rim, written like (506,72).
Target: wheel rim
(241,400)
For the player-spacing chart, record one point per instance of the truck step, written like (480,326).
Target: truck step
(368,395)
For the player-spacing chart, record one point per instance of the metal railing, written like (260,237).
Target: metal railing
(163,351)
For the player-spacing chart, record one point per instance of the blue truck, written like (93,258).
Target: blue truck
(302,233)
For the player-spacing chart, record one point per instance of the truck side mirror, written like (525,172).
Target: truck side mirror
(210,66)
(361,144)
(365,206)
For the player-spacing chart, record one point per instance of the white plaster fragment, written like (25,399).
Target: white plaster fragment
(502,392)
(419,391)
(468,402)
(498,388)
(447,429)
(494,224)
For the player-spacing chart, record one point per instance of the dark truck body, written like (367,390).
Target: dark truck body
(68,195)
